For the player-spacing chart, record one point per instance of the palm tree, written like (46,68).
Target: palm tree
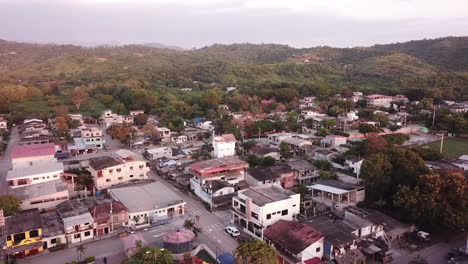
(80,250)
(189,224)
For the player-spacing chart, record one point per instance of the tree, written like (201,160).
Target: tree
(375,145)
(382,119)
(140,119)
(427,153)
(284,150)
(78,96)
(327,175)
(211,99)
(329,123)
(255,252)
(189,224)
(301,189)
(376,174)
(150,255)
(268,161)
(365,128)
(322,164)
(253,161)
(10,204)
(121,132)
(80,250)
(396,139)
(286,94)
(347,93)
(61,124)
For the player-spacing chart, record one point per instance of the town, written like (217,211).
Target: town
(351,178)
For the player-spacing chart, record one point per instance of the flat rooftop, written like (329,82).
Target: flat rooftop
(101,163)
(23,221)
(269,194)
(39,189)
(224,163)
(146,197)
(336,231)
(52,224)
(34,168)
(336,187)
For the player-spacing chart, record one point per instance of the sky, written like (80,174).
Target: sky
(198,23)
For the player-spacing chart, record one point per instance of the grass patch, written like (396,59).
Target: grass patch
(203,254)
(453,148)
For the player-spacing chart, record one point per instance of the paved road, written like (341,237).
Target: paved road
(212,224)
(5,161)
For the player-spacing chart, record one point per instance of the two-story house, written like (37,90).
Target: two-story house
(281,174)
(158,153)
(108,171)
(92,136)
(353,163)
(224,146)
(228,169)
(77,221)
(164,134)
(257,208)
(23,234)
(108,217)
(304,171)
(378,100)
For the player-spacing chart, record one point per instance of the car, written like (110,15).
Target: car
(424,236)
(232,230)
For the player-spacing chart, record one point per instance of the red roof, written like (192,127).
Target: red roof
(313,261)
(33,151)
(291,235)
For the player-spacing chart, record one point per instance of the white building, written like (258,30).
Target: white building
(108,171)
(311,113)
(224,146)
(378,100)
(149,203)
(274,140)
(43,196)
(334,140)
(206,125)
(3,123)
(353,163)
(256,208)
(158,153)
(337,194)
(164,134)
(108,119)
(77,221)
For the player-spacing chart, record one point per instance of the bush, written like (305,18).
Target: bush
(89,259)
(427,154)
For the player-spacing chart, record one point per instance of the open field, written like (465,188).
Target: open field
(453,148)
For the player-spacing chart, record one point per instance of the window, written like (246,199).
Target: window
(268,216)
(19,237)
(141,166)
(119,178)
(22,181)
(131,168)
(284,212)
(53,241)
(76,236)
(131,176)
(118,170)
(141,175)
(254,215)
(87,233)
(110,171)
(317,249)
(108,180)
(274,213)
(294,205)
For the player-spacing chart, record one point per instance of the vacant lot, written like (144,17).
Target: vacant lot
(453,148)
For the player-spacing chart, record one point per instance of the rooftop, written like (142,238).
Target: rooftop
(227,138)
(297,141)
(336,231)
(375,217)
(39,189)
(262,150)
(333,186)
(23,221)
(301,165)
(52,225)
(71,208)
(28,151)
(352,158)
(34,168)
(269,173)
(267,194)
(100,163)
(103,210)
(214,165)
(216,185)
(142,198)
(293,236)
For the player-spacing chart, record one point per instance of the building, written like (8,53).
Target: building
(224,146)
(52,232)
(304,171)
(23,234)
(78,117)
(257,208)
(92,137)
(32,164)
(353,163)
(337,194)
(206,125)
(43,196)
(164,134)
(3,124)
(178,138)
(297,145)
(263,152)
(378,100)
(281,174)
(311,113)
(136,112)
(77,221)
(158,153)
(323,154)
(295,242)
(108,217)
(149,203)
(334,140)
(228,169)
(274,140)
(108,119)
(108,171)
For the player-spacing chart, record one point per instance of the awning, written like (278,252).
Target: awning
(328,189)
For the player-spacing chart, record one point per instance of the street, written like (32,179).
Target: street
(5,161)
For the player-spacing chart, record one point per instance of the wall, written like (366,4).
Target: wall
(224,149)
(58,196)
(311,251)
(126,174)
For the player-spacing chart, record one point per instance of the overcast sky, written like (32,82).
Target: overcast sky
(197,23)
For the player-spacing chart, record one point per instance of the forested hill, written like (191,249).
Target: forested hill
(437,67)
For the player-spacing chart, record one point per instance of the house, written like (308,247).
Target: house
(32,164)
(149,203)
(353,163)
(186,89)
(459,108)
(228,169)
(280,174)
(23,234)
(108,217)
(78,117)
(263,152)
(164,134)
(77,221)
(3,124)
(334,140)
(378,100)
(274,140)
(158,153)
(206,125)
(399,98)
(178,137)
(43,196)
(108,119)
(461,162)
(256,208)
(297,145)
(337,194)
(34,131)
(295,242)
(338,235)
(304,171)
(311,113)
(323,154)
(136,112)
(92,137)
(224,146)
(230,89)
(108,171)
(53,233)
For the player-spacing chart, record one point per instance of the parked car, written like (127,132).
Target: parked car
(424,236)
(232,230)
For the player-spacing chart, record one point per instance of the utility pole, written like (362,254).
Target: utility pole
(433,116)
(442,141)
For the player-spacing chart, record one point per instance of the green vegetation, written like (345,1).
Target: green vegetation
(452,147)
(9,204)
